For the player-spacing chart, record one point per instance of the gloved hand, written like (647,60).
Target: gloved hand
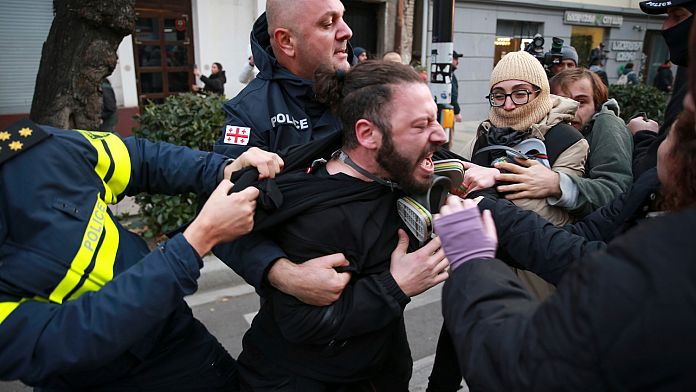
(465,234)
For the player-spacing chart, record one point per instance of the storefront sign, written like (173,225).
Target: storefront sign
(629,46)
(625,56)
(591,19)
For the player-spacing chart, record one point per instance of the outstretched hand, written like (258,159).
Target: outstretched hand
(529,180)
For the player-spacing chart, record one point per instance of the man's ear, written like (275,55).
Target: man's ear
(368,134)
(284,41)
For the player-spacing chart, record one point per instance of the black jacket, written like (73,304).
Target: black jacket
(354,338)
(530,242)
(646,143)
(455,94)
(215,83)
(663,79)
(621,319)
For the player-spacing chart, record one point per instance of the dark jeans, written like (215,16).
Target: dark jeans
(445,376)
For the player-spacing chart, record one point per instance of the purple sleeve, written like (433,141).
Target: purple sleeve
(463,237)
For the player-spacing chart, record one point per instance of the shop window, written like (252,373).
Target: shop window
(149,56)
(179,82)
(151,82)
(512,35)
(147,29)
(584,39)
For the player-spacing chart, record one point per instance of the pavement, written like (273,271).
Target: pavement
(220,290)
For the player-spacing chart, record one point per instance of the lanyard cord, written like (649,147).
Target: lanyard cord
(342,156)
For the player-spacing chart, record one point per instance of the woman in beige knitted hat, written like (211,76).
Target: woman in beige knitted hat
(523,109)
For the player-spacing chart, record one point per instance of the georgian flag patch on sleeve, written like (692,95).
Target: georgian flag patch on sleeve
(237,135)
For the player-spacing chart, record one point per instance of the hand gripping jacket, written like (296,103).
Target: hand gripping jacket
(82,300)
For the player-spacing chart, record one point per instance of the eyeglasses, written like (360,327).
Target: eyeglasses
(518,97)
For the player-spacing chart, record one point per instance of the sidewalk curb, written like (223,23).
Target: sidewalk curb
(215,275)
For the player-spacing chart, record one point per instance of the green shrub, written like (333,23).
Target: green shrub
(186,120)
(634,98)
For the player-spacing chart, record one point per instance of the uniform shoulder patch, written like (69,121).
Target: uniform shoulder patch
(235,134)
(18,138)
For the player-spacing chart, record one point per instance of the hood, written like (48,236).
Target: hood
(563,110)
(612,106)
(265,61)
(219,75)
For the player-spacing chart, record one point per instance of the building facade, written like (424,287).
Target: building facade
(485,30)
(173,36)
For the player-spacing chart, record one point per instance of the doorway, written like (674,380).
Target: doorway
(163,49)
(361,17)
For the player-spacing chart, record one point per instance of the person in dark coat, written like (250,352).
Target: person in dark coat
(621,318)
(346,202)
(109,115)
(597,67)
(213,84)
(649,134)
(455,87)
(664,78)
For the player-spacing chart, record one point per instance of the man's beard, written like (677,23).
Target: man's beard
(401,168)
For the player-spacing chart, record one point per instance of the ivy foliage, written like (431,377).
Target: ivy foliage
(635,98)
(187,120)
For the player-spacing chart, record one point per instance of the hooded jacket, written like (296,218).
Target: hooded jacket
(608,169)
(277,109)
(215,83)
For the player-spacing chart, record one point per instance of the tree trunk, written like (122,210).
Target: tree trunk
(79,52)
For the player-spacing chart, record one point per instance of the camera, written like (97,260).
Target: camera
(547,59)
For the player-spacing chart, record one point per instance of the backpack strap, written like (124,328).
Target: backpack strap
(558,139)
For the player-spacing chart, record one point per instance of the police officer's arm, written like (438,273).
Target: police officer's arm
(369,303)
(240,132)
(40,339)
(169,169)
(260,261)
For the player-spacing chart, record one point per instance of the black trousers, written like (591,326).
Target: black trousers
(194,362)
(446,375)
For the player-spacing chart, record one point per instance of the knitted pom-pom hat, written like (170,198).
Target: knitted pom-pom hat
(521,66)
